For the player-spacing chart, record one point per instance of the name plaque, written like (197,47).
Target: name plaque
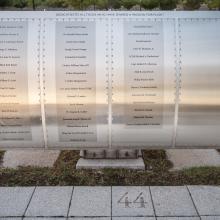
(109,79)
(14,85)
(20,115)
(76,81)
(143,54)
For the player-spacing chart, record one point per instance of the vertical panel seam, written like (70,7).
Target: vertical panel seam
(178,81)
(109,82)
(41,51)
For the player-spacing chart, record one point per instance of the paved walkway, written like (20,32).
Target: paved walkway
(110,203)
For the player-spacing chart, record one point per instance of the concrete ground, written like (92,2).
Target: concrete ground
(187,158)
(110,203)
(36,158)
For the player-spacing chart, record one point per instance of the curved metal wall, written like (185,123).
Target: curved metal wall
(112,80)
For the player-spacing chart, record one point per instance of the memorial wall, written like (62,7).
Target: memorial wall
(110,80)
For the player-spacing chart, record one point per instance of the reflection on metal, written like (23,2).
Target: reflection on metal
(199,106)
(76,81)
(20,115)
(109,80)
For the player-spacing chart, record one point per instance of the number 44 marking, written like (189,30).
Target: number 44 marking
(139,201)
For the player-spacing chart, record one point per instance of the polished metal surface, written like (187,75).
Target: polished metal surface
(109,80)
(199,105)
(144,87)
(76,75)
(20,115)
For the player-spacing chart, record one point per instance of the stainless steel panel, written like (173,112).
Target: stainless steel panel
(199,105)
(114,80)
(143,73)
(20,115)
(75,83)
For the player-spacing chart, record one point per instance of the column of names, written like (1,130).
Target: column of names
(14,108)
(76,80)
(143,69)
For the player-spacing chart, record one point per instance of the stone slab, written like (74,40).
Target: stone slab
(43,218)
(36,158)
(11,218)
(206,199)
(210,217)
(14,200)
(131,201)
(172,201)
(91,202)
(133,218)
(187,158)
(137,164)
(102,218)
(50,201)
(178,218)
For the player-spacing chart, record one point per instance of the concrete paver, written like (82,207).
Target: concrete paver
(14,200)
(102,218)
(172,201)
(187,158)
(133,218)
(38,158)
(11,218)
(206,199)
(43,218)
(178,218)
(91,201)
(131,201)
(120,202)
(210,217)
(50,201)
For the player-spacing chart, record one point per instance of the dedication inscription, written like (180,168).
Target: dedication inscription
(143,57)
(76,81)
(14,106)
